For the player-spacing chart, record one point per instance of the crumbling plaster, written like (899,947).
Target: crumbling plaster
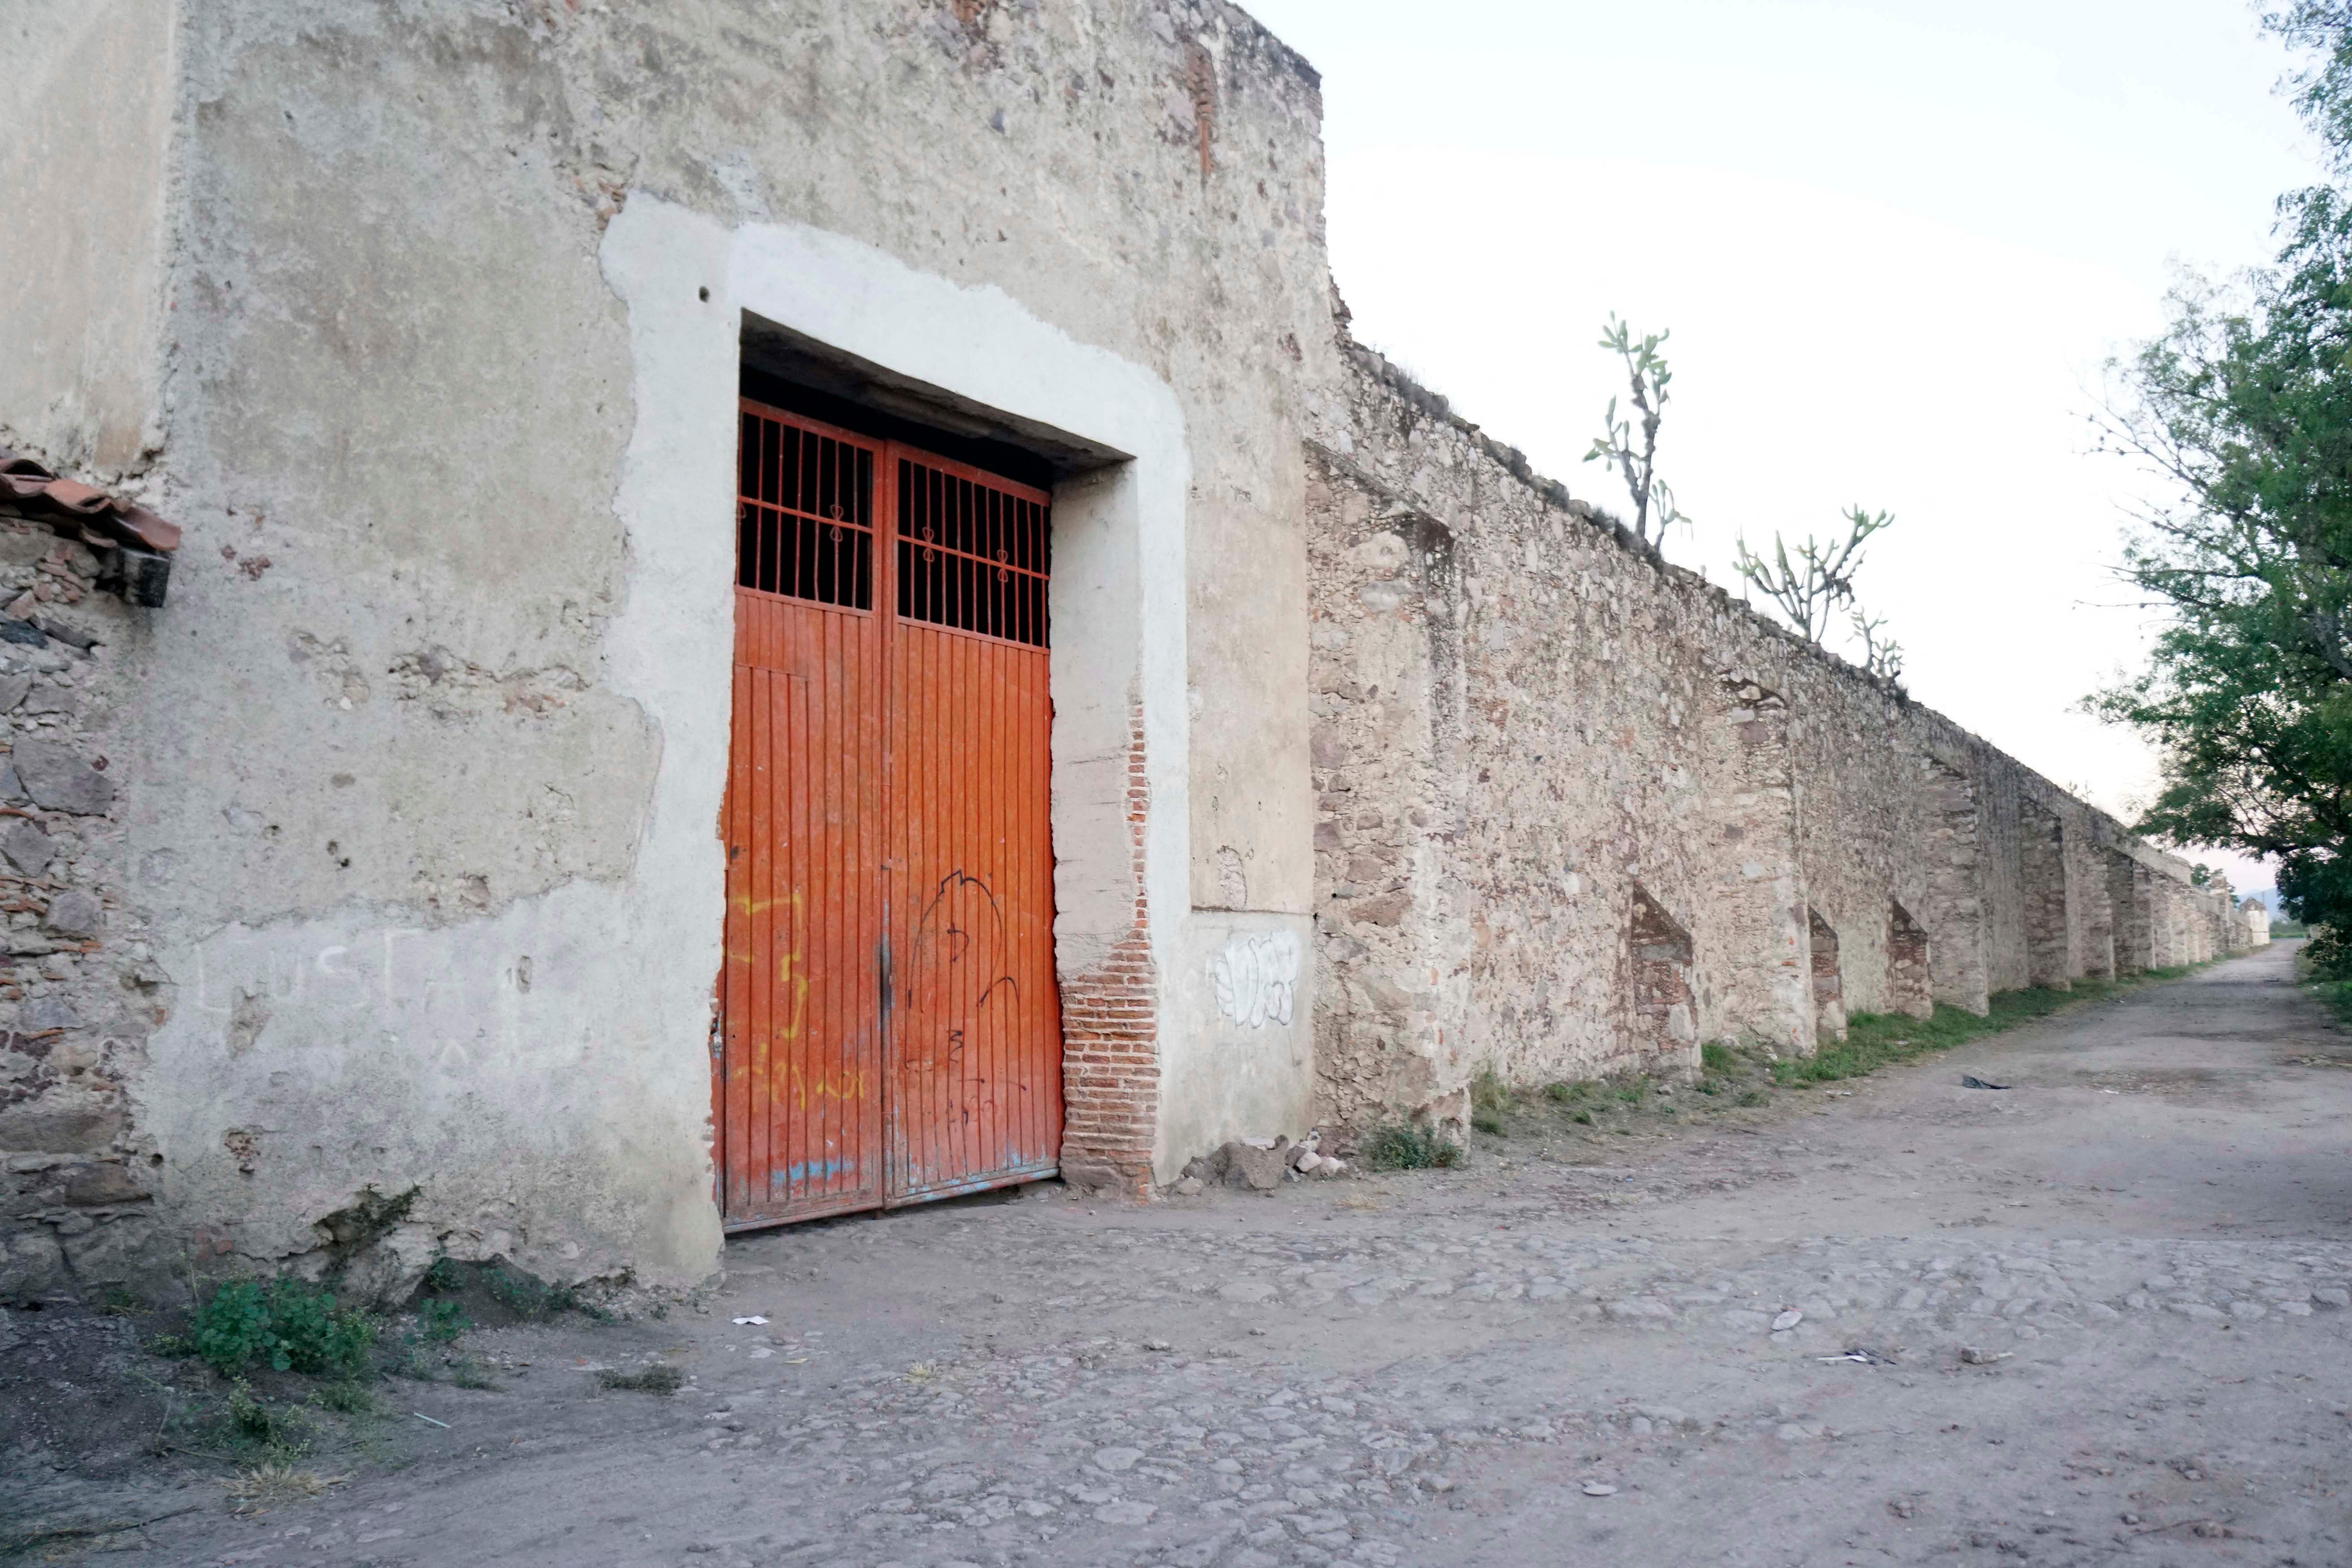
(425,755)
(86,100)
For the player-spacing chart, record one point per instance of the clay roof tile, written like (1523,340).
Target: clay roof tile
(87,509)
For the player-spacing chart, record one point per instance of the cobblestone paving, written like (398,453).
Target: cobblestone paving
(1473,1369)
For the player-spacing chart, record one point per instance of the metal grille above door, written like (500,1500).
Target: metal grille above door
(890,1028)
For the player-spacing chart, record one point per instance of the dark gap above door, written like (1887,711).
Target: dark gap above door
(787,371)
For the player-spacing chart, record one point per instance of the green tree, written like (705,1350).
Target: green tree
(2244,406)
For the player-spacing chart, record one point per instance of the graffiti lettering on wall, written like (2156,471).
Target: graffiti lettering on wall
(1257,978)
(466,1000)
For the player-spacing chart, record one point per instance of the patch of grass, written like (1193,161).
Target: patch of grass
(1719,1058)
(1489,1101)
(274,1485)
(660,1378)
(528,1296)
(1753,1097)
(1411,1146)
(467,1373)
(287,1324)
(1583,1117)
(1564,1093)
(282,1432)
(1874,1040)
(494,1293)
(1633,1090)
(2338,995)
(345,1398)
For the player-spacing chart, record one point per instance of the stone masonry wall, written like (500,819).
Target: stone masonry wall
(79,992)
(1556,740)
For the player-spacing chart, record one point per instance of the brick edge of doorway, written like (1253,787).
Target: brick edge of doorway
(1110,1036)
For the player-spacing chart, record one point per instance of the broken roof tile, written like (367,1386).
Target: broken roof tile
(93,512)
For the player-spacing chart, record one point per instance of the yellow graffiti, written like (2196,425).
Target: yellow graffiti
(749,907)
(847,1085)
(797,985)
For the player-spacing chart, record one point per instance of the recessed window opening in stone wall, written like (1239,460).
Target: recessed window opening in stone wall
(1909,988)
(1829,980)
(2128,917)
(2049,961)
(1662,1028)
(1953,914)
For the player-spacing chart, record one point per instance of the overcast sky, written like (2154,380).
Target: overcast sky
(1895,243)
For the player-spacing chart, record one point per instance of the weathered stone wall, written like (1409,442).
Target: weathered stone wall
(78,995)
(424,321)
(1546,759)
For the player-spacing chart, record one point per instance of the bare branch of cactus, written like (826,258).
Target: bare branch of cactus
(1881,655)
(1819,582)
(1637,459)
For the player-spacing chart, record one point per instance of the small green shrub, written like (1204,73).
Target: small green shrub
(1633,1090)
(1411,1146)
(1489,1100)
(291,1325)
(1711,1085)
(346,1398)
(1562,1093)
(231,1327)
(495,1292)
(1583,1117)
(441,1319)
(283,1431)
(658,1378)
(1718,1058)
(527,1295)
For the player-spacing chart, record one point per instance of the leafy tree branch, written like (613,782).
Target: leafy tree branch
(2242,409)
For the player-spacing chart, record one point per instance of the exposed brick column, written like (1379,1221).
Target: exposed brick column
(1110,1032)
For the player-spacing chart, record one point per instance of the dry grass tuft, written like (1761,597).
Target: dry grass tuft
(275,1485)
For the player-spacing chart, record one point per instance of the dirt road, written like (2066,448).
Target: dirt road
(2145,1245)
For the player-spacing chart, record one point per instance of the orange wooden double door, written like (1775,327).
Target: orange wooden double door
(890,1030)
